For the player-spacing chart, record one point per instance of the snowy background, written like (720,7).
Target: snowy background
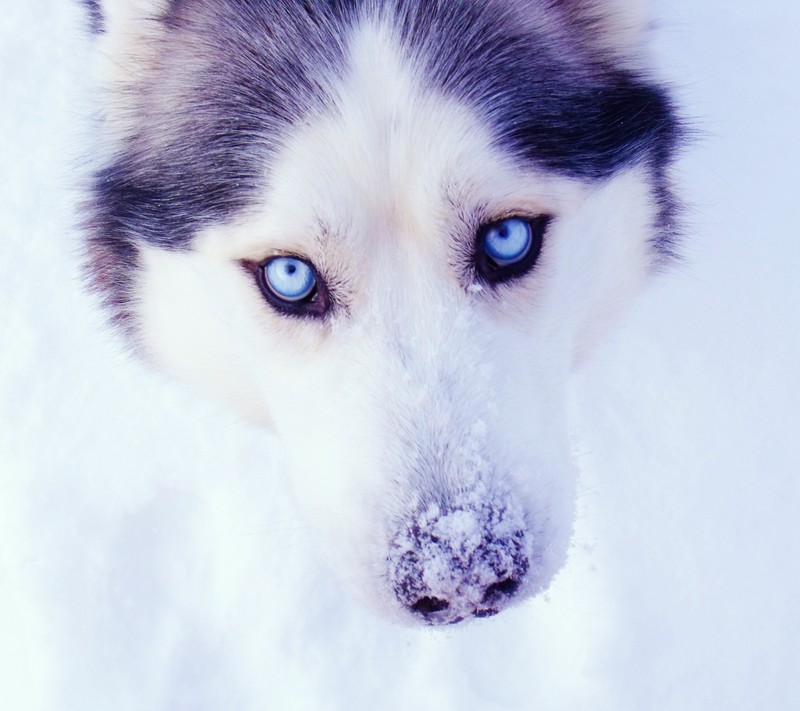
(150,558)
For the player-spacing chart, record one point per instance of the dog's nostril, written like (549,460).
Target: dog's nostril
(429,605)
(505,588)
(488,612)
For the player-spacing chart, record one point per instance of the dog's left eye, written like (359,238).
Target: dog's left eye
(510,247)
(292,286)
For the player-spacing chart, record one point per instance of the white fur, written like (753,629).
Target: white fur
(421,365)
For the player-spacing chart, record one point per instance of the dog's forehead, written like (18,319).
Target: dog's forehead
(389,155)
(210,136)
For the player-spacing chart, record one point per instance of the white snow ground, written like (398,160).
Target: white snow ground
(151,560)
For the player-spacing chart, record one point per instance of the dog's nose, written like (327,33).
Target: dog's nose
(451,563)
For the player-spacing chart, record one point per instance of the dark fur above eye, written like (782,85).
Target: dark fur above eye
(291,285)
(509,248)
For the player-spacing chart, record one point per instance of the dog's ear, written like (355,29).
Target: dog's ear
(128,33)
(111,17)
(126,29)
(620,25)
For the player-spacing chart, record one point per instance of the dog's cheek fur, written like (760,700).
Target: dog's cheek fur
(601,258)
(190,330)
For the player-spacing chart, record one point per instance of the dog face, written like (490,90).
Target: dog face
(389,233)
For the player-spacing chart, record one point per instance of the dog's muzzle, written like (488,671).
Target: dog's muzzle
(461,559)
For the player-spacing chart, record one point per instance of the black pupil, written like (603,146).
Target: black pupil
(291,269)
(503,232)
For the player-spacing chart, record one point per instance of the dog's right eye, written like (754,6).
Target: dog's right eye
(291,285)
(289,279)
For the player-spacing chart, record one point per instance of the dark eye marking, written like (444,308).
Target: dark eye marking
(509,248)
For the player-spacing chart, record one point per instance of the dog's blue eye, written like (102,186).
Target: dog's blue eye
(508,242)
(289,279)
(509,248)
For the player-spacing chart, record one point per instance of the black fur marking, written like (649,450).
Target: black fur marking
(95,16)
(551,97)
(668,233)
(110,264)
(262,70)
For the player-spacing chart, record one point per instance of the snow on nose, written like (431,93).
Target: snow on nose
(460,559)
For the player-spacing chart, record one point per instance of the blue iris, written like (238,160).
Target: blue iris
(290,279)
(508,242)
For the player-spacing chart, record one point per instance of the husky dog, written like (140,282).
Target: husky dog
(388,230)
